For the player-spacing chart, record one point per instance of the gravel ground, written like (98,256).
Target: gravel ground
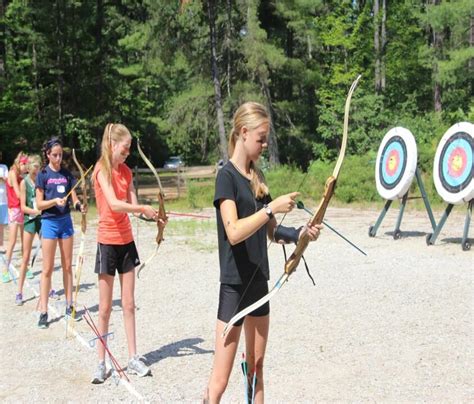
(396,325)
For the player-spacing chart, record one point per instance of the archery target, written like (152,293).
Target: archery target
(453,164)
(396,163)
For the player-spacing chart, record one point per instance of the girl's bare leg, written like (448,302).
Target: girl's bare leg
(106,288)
(256,337)
(27,244)
(49,248)
(65,247)
(225,349)
(127,286)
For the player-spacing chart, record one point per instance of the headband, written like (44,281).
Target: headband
(53,142)
(24,160)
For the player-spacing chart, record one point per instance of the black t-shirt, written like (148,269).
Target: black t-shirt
(239,262)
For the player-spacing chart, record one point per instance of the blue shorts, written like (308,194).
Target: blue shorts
(57,228)
(3,214)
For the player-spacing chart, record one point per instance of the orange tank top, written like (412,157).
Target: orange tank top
(114,227)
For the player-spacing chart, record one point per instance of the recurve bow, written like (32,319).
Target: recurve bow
(161,209)
(292,263)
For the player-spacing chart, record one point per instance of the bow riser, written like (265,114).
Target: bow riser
(295,258)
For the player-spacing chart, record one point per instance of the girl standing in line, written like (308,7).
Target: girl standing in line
(15,215)
(32,224)
(53,185)
(116,250)
(245,210)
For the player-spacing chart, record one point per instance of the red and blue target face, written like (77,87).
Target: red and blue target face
(393,163)
(456,167)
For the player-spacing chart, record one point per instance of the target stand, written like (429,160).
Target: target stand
(395,168)
(453,172)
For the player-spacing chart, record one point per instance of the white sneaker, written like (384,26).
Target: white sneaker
(136,366)
(100,374)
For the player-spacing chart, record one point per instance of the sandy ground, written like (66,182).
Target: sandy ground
(395,326)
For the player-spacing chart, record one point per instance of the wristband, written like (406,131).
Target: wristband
(287,234)
(77,206)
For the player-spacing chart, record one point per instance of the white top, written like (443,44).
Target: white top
(3,181)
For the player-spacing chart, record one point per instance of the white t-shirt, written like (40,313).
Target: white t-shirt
(3,187)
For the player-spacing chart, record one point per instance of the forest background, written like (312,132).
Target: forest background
(175,71)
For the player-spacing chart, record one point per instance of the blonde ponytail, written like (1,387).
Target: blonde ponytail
(250,115)
(113,132)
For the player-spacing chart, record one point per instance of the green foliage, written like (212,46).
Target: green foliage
(68,68)
(200,194)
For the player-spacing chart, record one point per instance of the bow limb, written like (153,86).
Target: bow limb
(256,305)
(161,210)
(84,191)
(80,255)
(292,263)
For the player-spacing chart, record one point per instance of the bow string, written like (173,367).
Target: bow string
(80,255)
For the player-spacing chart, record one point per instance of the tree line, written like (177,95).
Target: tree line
(174,72)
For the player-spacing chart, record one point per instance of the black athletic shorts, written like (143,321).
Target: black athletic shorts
(112,257)
(231,301)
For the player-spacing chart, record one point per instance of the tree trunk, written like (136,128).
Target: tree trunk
(378,81)
(229,41)
(383,44)
(34,62)
(60,69)
(437,45)
(99,24)
(3,47)
(273,153)
(216,82)
(471,43)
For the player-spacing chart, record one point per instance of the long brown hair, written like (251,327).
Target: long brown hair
(113,132)
(250,115)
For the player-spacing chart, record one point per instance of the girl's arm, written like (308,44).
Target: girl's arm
(238,230)
(41,204)
(116,205)
(24,208)
(12,181)
(76,203)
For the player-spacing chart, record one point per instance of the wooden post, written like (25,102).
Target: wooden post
(179,180)
(136,180)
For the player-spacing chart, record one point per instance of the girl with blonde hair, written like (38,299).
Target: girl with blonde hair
(116,251)
(32,224)
(245,218)
(15,215)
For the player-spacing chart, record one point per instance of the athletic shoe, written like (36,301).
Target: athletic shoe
(136,366)
(100,374)
(69,311)
(53,295)
(19,299)
(43,320)
(29,274)
(6,277)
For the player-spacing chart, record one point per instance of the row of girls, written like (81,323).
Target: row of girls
(245,218)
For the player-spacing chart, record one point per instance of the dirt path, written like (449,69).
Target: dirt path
(396,325)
